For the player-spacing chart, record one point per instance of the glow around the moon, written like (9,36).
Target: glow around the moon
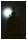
(6,12)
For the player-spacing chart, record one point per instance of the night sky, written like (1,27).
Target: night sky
(20,9)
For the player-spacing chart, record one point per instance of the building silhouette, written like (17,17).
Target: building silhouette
(13,27)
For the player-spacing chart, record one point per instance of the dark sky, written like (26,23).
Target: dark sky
(20,9)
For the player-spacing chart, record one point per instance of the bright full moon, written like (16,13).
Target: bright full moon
(6,12)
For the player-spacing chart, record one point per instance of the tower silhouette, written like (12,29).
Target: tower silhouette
(13,27)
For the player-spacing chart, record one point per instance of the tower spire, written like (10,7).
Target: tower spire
(12,7)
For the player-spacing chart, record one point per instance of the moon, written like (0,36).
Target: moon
(7,12)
